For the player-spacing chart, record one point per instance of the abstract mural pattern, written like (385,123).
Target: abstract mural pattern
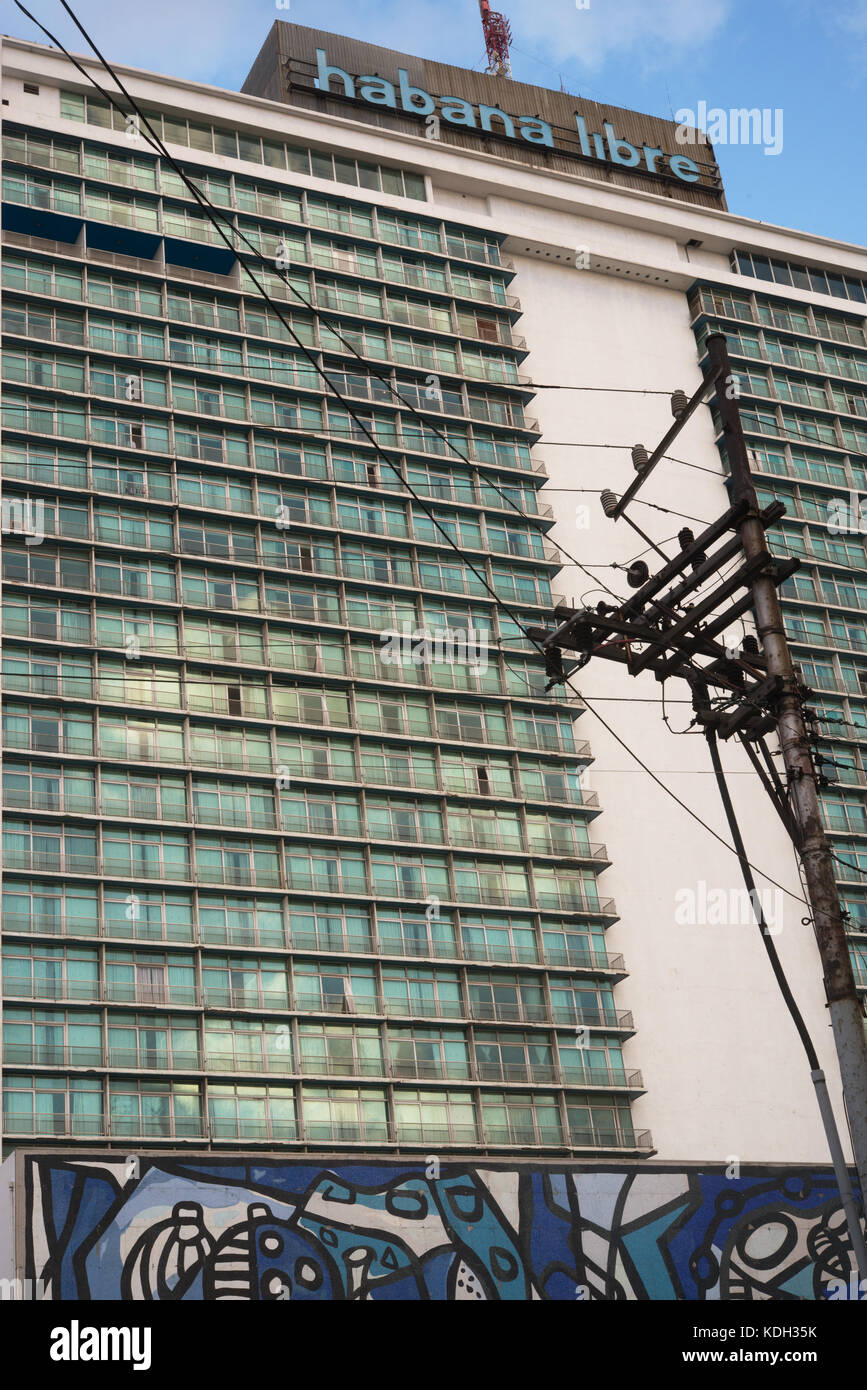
(175,1228)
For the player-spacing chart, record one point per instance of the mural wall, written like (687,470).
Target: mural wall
(99,1227)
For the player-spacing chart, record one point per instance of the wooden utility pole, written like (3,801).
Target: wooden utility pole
(844,1006)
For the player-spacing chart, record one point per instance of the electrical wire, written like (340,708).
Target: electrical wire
(681,733)
(746,869)
(213,213)
(776,966)
(386,382)
(616,390)
(590,705)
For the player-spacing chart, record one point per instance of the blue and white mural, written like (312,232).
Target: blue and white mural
(173,1228)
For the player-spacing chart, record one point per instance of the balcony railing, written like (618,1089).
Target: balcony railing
(51,1055)
(55,741)
(268,1062)
(143,1058)
(81,1126)
(72,802)
(514,1134)
(407,1132)
(609,1077)
(583,1137)
(251,996)
(46,988)
(264,876)
(122,1058)
(161,994)
(265,1130)
(140,929)
(47,861)
(343,1131)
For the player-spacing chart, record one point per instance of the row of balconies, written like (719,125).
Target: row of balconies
(76,1125)
(325,942)
(116,1059)
(450,782)
(269,876)
(320,217)
(475,835)
(442,728)
(137,434)
(209,400)
(809,358)
(399,354)
(203,316)
(823,431)
(815,397)
(327,255)
(745,307)
(163,487)
(46,624)
(391,570)
(108,684)
(247,549)
(173,995)
(322,296)
(301,606)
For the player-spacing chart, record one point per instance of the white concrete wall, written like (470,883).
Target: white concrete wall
(725,1071)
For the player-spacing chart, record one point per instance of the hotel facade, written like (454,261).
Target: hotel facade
(300,853)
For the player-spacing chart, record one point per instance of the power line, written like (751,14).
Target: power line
(576,444)
(640,502)
(770,948)
(616,390)
(212,213)
(215,212)
(680,803)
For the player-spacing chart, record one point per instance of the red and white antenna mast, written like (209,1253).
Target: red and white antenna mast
(498,36)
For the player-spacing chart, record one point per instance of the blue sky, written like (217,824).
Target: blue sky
(805,57)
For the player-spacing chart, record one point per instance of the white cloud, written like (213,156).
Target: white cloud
(197,39)
(646,32)
(217,40)
(852,18)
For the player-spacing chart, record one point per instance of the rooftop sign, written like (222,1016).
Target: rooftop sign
(555,132)
(403,96)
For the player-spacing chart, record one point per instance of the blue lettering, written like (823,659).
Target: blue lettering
(377,91)
(487,114)
(582,135)
(408,95)
(325,74)
(615,146)
(459,112)
(685,168)
(536,131)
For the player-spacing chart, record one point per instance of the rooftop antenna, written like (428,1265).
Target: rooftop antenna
(498,36)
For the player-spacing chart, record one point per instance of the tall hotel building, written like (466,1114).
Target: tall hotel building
(262,886)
